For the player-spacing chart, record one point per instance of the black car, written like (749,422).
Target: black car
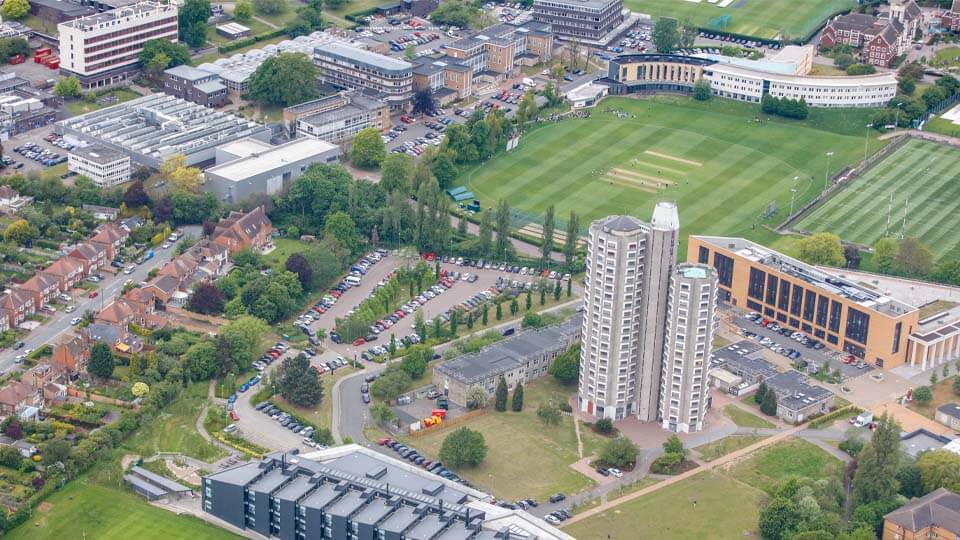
(557,497)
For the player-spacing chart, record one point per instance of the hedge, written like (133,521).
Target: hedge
(241,43)
(357,15)
(831,417)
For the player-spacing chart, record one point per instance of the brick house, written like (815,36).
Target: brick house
(17,395)
(878,40)
(43,286)
(19,304)
(68,270)
(950,20)
(935,515)
(240,231)
(111,237)
(93,256)
(71,356)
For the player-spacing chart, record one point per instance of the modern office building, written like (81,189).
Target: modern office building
(337,118)
(843,314)
(579,19)
(345,66)
(104,166)
(626,286)
(785,75)
(690,326)
(152,128)
(518,359)
(248,166)
(195,85)
(351,492)
(104,48)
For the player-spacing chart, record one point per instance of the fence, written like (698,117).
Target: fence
(447,423)
(73,392)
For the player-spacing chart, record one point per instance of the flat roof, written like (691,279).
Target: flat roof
(845,81)
(189,73)
(258,163)
(142,484)
(508,354)
(162,482)
(598,5)
(399,521)
(386,472)
(373,59)
(99,154)
(865,298)
(376,510)
(270,481)
(97,20)
(352,501)
(426,529)
(321,497)
(299,486)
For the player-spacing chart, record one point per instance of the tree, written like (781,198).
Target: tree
(885,254)
(101,361)
(56,451)
(956,385)
(269,7)
(176,54)
(393,382)
(604,425)
(620,452)
(923,395)
(666,35)
(299,382)
(423,102)
(486,233)
(549,413)
(760,393)
(396,172)
(548,228)
(19,232)
(463,448)
(140,389)
(769,405)
(517,404)
(570,245)
(200,361)
(499,311)
(136,196)
(503,229)
(285,79)
(456,13)
(566,366)
(299,265)
(174,169)
(778,519)
(476,397)
(193,22)
(484,316)
(674,445)
(823,249)
(341,228)
(939,469)
(10,457)
(68,87)
(416,360)
(877,464)
(843,61)
(15,9)
(207,299)
(500,398)
(701,90)
(368,149)
(243,11)
(243,337)
(913,258)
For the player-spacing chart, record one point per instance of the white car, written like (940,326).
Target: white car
(129,270)
(615,472)
(165,245)
(75,321)
(70,309)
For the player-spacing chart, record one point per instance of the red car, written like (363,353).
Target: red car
(93,294)
(385,441)
(359,341)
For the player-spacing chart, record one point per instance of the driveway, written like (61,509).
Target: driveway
(110,287)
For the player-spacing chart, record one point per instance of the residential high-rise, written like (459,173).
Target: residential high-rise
(625,287)
(104,49)
(690,324)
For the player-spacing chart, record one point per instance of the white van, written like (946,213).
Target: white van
(352,280)
(863,419)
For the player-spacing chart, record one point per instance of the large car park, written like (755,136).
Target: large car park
(411,455)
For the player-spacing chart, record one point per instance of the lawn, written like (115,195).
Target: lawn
(767,19)
(79,107)
(520,446)
(87,510)
(947,57)
(793,457)
(175,429)
(719,448)
(321,416)
(920,178)
(942,126)
(724,508)
(721,167)
(742,418)
(942,394)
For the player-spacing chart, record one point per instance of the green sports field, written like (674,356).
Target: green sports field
(920,176)
(767,19)
(721,166)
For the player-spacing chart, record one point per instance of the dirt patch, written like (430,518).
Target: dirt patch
(127,460)
(187,473)
(44,507)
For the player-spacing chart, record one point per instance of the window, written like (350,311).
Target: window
(724,266)
(896,337)
(784,299)
(809,305)
(823,307)
(835,309)
(772,283)
(703,256)
(858,325)
(796,301)
(755,285)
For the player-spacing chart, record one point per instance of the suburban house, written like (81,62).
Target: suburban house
(103,213)
(18,304)
(935,515)
(111,237)
(950,20)
(43,286)
(11,201)
(131,223)
(240,231)
(68,270)
(948,414)
(93,256)
(71,356)
(17,395)
(117,337)
(879,40)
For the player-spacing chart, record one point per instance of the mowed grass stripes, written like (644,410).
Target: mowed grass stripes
(715,160)
(920,180)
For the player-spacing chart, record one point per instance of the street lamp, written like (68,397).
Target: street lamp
(866,140)
(826,173)
(896,123)
(793,195)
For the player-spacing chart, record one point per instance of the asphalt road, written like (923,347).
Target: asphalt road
(59,322)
